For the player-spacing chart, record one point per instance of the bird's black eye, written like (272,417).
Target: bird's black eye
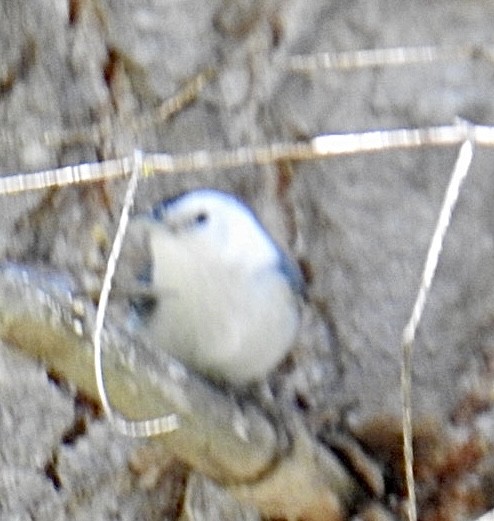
(201,218)
(157,212)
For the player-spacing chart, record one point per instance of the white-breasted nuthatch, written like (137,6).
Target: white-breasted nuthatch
(225,296)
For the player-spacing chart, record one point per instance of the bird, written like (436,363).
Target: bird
(225,297)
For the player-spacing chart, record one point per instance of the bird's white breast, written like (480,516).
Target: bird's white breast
(227,321)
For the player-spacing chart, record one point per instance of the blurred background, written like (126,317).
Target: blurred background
(90,80)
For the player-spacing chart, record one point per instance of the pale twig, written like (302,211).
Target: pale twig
(304,64)
(323,146)
(459,173)
(135,122)
(143,428)
(395,56)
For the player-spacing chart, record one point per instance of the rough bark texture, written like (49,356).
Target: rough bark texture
(361,225)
